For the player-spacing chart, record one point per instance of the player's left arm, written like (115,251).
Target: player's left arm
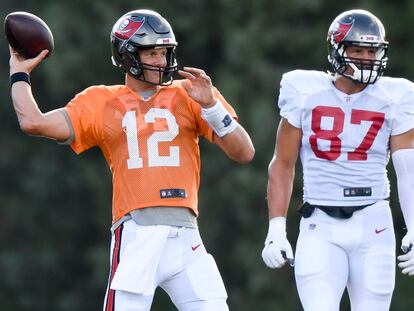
(237,145)
(229,135)
(402,150)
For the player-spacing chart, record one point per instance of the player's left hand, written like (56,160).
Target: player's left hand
(198,86)
(407,260)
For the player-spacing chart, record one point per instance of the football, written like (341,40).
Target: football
(28,34)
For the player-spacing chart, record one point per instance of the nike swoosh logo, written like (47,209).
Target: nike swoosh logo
(195,247)
(378,231)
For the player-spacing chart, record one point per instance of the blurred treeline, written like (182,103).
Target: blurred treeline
(55,206)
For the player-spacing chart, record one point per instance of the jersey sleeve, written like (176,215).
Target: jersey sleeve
(82,112)
(203,127)
(403,116)
(289,100)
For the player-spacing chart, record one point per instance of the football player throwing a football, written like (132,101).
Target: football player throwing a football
(148,130)
(344,125)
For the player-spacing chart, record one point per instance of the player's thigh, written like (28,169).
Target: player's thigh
(372,279)
(372,266)
(321,271)
(122,296)
(198,286)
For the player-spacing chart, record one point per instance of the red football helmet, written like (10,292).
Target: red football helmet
(143,29)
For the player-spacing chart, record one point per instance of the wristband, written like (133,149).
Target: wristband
(19,76)
(219,119)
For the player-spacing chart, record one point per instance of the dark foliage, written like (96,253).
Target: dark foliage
(54,250)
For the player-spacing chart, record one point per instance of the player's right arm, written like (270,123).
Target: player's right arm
(277,249)
(32,121)
(282,168)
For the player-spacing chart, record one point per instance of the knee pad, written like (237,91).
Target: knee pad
(380,270)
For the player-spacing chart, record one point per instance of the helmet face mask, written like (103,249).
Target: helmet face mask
(357,28)
(143,29)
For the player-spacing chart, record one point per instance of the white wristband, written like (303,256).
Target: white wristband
(219,119)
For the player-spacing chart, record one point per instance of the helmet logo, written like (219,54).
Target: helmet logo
(128,27)
(340,30)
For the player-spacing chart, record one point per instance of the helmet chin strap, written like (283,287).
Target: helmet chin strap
(334,76)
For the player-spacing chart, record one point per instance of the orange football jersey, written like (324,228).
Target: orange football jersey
(151,146)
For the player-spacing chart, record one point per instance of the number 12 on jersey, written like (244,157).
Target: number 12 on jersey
(129,124)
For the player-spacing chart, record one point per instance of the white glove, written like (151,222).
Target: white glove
(277,249)
(407,260)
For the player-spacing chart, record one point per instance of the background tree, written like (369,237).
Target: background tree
(56,206)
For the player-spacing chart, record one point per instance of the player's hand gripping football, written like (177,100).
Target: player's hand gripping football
(20,64)
(198,85)
(407,260)
(277,250)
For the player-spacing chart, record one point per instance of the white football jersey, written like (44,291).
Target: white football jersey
(345,142)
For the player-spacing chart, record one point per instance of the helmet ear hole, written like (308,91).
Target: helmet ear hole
(143,29)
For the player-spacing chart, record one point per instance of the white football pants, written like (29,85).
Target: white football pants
(356,253)
(174,258)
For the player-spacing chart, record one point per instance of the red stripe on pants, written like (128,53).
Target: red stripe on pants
(110,298)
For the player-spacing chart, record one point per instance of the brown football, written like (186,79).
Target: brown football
(28,34)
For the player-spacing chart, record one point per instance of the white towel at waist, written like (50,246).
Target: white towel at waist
(137,268)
